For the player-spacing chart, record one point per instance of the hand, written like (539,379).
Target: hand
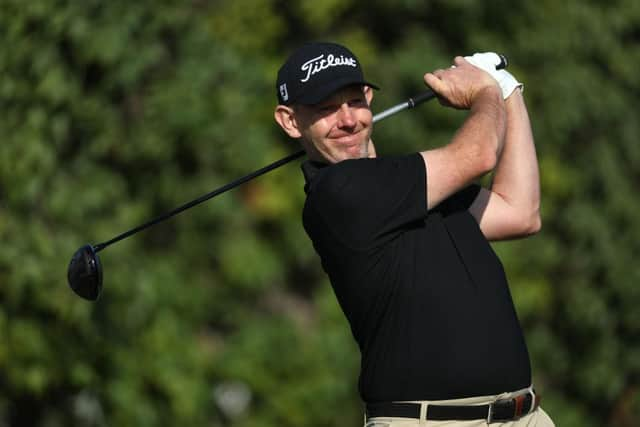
(461,85)
(487,61)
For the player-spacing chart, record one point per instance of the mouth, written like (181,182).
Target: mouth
(348,139)
(350,145)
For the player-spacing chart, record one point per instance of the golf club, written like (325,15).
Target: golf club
(85,270)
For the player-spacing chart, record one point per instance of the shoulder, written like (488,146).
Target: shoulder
(364,200)
(359,174)
(368,187)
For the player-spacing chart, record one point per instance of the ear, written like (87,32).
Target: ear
(285,117)
(368,94)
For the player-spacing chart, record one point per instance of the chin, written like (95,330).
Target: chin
(351,156)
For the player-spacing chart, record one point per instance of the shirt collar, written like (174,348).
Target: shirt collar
(310,169)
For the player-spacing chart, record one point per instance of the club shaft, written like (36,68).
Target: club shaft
(201,199)
(410,103)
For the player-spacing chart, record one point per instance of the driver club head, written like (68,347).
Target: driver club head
(85,273)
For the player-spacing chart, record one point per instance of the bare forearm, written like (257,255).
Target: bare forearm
(516,177)
(480,139)
(492,125)
(472,152)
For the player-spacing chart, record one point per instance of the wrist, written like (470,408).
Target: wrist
(488,94)
(508,83)
(490,104)
(515,94)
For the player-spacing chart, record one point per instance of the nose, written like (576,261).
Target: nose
(346,117)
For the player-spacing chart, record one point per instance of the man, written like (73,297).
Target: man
(404,239)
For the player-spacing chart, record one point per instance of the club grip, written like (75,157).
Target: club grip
(414,101)
(504,62)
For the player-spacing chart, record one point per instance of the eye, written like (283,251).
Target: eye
(327,108)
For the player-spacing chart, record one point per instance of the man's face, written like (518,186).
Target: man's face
(339,127)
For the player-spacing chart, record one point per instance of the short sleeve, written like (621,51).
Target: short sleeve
(460,201)
(367,201)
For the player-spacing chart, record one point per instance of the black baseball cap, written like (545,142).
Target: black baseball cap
(316,70)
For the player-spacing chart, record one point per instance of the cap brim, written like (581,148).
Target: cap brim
(325,91)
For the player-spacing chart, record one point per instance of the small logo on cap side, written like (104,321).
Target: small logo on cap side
(317,64)
(283,92)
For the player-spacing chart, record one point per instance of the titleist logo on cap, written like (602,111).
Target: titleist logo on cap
(319,63)
(315,71)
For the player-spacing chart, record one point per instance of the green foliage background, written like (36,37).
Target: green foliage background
(113,112)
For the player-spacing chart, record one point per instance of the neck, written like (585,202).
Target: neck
(313,153)
(371,149)
(316,156)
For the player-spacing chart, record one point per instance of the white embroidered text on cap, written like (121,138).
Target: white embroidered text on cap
(317,64)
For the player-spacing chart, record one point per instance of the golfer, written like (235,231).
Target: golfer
(404,240)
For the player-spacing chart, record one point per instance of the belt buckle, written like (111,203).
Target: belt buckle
(518,406)
(499,404)
(532,407)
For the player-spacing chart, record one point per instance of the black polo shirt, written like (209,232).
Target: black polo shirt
(425,295)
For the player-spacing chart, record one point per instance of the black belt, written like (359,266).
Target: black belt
(498,411)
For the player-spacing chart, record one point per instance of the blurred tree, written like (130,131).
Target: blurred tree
(115,111)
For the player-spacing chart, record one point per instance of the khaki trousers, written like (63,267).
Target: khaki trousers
(537,418)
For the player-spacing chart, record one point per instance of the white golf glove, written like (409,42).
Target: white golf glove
(488,61)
